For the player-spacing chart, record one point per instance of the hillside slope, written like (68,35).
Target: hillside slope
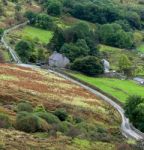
(42,88)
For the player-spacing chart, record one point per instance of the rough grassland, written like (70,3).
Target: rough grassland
(120,89)
(41,87)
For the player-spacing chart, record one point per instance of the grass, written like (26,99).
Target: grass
(120,89)
(43,36)
(6,56)
(141,48)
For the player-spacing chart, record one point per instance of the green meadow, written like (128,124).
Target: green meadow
(120,89)
(44,36)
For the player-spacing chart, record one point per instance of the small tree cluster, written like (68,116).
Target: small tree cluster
(134,109)
(40,20)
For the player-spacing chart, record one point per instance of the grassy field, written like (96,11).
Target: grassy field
(43,36)
(120,89)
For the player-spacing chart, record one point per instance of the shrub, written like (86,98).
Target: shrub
(101,130)
(64,127)
(5,121)
(44,126)
(24,107)
(27,122)
(78,119)
(39,108)
(61,114)
(48,117)
(73,132)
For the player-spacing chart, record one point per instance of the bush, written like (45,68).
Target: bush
(78,119)
(39,108)
(48,117)
(5,121)
(73,132)
(93,131)
(44,126)
(27,122)
(61,114)
(24,107)
(89,65)
(64,127)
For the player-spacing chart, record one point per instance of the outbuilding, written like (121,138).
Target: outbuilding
(58,60)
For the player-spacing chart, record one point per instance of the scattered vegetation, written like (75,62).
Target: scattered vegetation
(68,115)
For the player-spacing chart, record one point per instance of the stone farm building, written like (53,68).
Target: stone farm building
(58,60)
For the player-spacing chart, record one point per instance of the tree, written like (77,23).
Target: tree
(73,51)
(58,40)
(55,8)
(139,117)
(134,109)
(88,65)
(124,64)
(124,24)
(138,38)
(24,49)
(31,17)
(114,35)
(131,103)
(134,19)
(41,20)
(44,21)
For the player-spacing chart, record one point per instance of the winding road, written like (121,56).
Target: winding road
(126,128)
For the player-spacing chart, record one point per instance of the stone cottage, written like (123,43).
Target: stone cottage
(58,60)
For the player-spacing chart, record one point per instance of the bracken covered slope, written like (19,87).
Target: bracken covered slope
(41,87)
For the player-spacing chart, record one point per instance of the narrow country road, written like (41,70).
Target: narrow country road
(126,128)
(3,40)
